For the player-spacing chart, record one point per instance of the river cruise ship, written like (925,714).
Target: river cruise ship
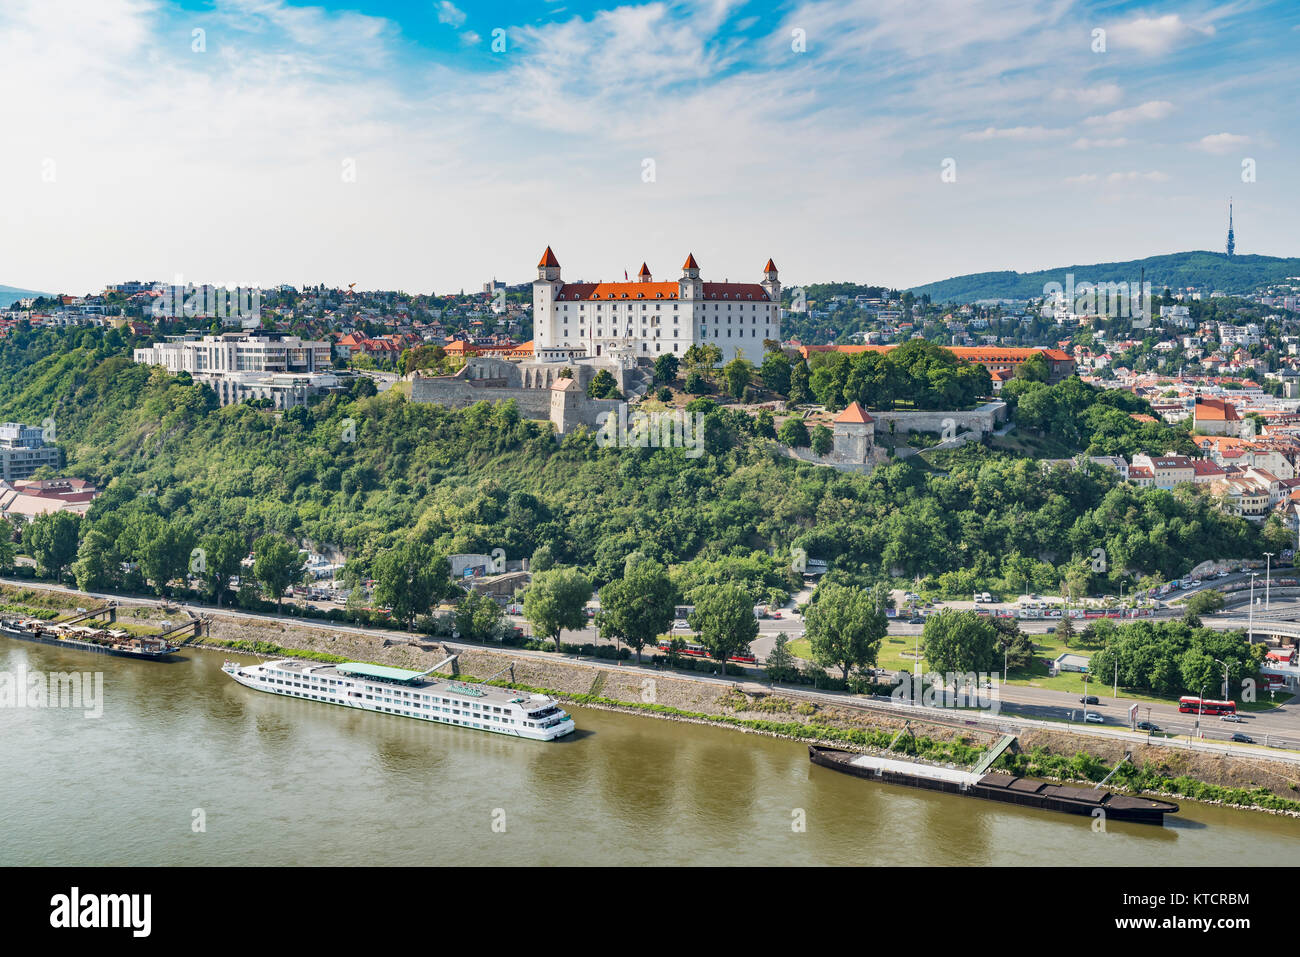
(412,694)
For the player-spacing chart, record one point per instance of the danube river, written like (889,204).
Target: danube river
(186,767)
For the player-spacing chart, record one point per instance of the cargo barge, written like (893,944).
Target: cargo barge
(100,641)
(1007,788)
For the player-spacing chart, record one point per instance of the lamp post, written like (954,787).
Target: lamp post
(1226,693)
(1250,629)
(1268,569)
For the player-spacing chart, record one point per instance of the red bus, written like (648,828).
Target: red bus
(699,651)
(1194,705)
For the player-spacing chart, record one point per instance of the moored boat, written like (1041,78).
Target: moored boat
(100,641)
(411,694)
(994,786)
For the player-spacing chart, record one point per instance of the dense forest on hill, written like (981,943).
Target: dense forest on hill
(1205,270)
(176,465)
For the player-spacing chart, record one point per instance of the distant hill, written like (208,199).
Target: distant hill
(9,295)
(1205,270)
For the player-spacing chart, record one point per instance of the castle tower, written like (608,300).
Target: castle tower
(546,289)
(854,434)
(689,287)
(644,274)
(771,282)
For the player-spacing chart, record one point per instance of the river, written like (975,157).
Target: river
(184,767)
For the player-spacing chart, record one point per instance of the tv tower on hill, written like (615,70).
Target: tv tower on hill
(1232,243)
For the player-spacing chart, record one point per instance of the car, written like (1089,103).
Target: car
(1234,718)
(775,614)
(1090,699)
(1243,738)
(1092,717)
(916,620)
(1147,726)
(1223,574)
(1196,583)
(1051,630)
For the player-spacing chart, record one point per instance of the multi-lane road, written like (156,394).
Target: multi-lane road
(1279,726)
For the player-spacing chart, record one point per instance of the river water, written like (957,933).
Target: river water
(186,767)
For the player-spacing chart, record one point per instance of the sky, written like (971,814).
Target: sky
(433,146)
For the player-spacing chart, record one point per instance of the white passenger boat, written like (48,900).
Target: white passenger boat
(412,694)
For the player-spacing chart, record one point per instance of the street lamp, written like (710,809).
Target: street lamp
(1227,696)
(1250,631)
(1268,567)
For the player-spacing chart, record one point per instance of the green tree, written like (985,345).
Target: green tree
(557,600)
(51,539)
(409,579)
(478,617)
(666,367)
(793,432)
(724,618)
(800,388)
(739,374)
(780,662)
(1202,603)
(603,386)
(823,440)
(277,564)
(223,554)
(959,641)
(776,372)
(638,607)
(845,627)
(96,566)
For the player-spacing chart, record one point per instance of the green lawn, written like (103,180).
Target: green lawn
(896,655)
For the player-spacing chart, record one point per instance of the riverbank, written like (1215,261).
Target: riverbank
(746,705)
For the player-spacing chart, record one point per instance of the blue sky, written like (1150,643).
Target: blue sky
(389,144)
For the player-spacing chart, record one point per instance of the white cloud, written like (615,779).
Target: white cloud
(1133,176)
(1155,35)
(1081,178)
(1221,143)
(1084,143)
(1092,97)
(449,14)
(1013,133)
(469,38)
(1147,112)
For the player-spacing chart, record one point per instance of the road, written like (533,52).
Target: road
(1280,727)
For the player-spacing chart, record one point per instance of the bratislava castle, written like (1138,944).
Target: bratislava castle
(645,318)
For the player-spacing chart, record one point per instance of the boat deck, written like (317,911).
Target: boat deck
(873,762)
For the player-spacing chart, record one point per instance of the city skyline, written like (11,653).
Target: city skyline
(389,145)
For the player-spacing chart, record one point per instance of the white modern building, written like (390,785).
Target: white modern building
(645,318)
(285,370)
(247,351)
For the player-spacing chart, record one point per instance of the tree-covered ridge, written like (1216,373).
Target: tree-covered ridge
(365,473)
(1205,270)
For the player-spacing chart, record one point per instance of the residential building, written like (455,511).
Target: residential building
(23,450)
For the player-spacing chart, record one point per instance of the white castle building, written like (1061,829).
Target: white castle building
(644,318)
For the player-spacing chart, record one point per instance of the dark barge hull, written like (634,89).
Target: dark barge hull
(76,645)
(1009,789)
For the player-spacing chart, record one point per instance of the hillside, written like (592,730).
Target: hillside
(11,294)
(1205,270)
